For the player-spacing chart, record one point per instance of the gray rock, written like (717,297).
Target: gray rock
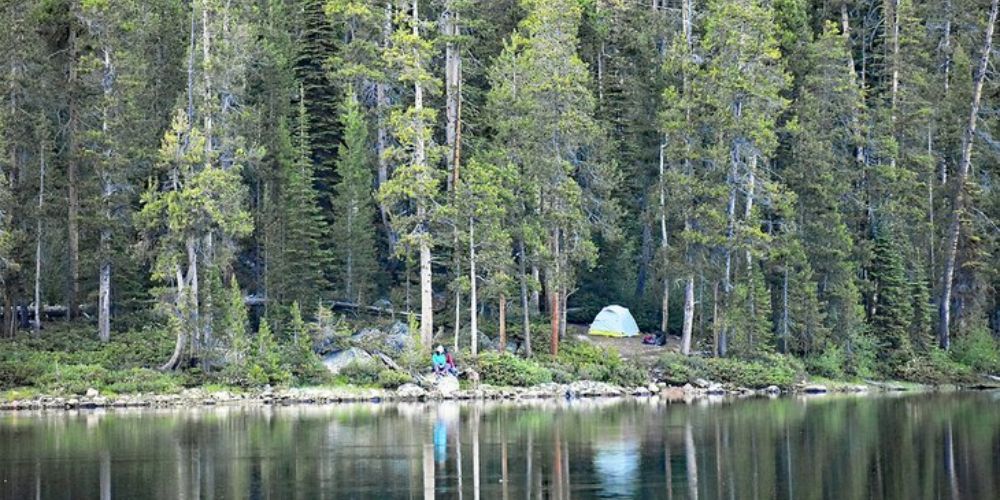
(653,388)
(92,393)
(772,389)
(702,383)
(715,390)
(446,385)
(814,389)
(337,361)
(410,391)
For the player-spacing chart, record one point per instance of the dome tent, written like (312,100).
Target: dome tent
(614,321)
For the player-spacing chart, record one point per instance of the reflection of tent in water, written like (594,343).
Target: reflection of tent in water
(614,321)
(617,464)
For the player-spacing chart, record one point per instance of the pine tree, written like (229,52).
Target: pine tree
(893,310)
(416,181)
(354,257)
(544,122)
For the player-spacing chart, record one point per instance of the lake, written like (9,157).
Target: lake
(838,447)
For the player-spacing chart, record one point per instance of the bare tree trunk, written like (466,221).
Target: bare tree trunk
(536,299)
(525,311)
(382,132)
(553,291)
(38,237)
(420,159)
(958,206)
(688,315)
(665,304)
(716,325)
(784,312)
(502,313)
(473,300)
(73,181)
(104,280)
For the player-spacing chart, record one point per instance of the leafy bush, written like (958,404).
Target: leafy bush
(74,379)
(771,369)
(508,370)
(23,369)
(829,363)
(391,379)
(977,350)
(585,361)
(936,368)
(678,369)
(361,373)
(143,380)
(766,370)
(862,359)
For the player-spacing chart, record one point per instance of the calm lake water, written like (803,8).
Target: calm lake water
(907,447)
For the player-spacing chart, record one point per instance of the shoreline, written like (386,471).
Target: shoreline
(320,395)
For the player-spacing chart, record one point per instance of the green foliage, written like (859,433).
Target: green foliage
(893,305)
(585,361)
(764,371)
(391,379)
(505,369)
(143,380)
(829,363)
(298,356)
(936,368)
(361,373)
(978,350)
(355,230)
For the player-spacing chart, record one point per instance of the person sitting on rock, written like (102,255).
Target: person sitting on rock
(449,363)
(439,362)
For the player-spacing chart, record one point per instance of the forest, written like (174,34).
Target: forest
(811,179)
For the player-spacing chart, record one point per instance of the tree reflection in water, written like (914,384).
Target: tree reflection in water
(917,446)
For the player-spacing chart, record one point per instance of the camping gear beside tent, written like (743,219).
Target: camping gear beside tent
(614,321)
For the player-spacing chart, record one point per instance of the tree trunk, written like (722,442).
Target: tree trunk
(553,291)
(473,304)
(104,279)
(502,313)
(382,144)
(73,182)
(958,206)
(38,237)
(665,303)
(536,298)
(716,325)
(525,311)
(688,315)
(784,312)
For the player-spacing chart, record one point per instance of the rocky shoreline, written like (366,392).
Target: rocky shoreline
(197,397)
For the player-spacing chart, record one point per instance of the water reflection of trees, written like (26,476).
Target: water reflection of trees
(852,447)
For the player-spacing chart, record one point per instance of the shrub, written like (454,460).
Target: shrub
(586,361)
(977,350)
(771,369)
(143,380)
(391,379)
(74,379)
(678,369)
(829,363)
(935,368)
(361,373)
(508,370)
(23,369)
(862,358)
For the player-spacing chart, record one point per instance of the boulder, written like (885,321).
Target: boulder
(336,362)
(814,389)
(92,393)
(394,341)
(446,385)
(702,383)
(772,389)
(410,392)
(715,390)
(653,388)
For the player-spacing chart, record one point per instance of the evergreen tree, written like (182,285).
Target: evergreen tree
(893,311)
(416,181)
(354,257)
(545,126)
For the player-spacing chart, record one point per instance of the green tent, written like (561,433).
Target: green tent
(614,321)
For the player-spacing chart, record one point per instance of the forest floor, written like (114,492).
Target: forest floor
(630,348)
